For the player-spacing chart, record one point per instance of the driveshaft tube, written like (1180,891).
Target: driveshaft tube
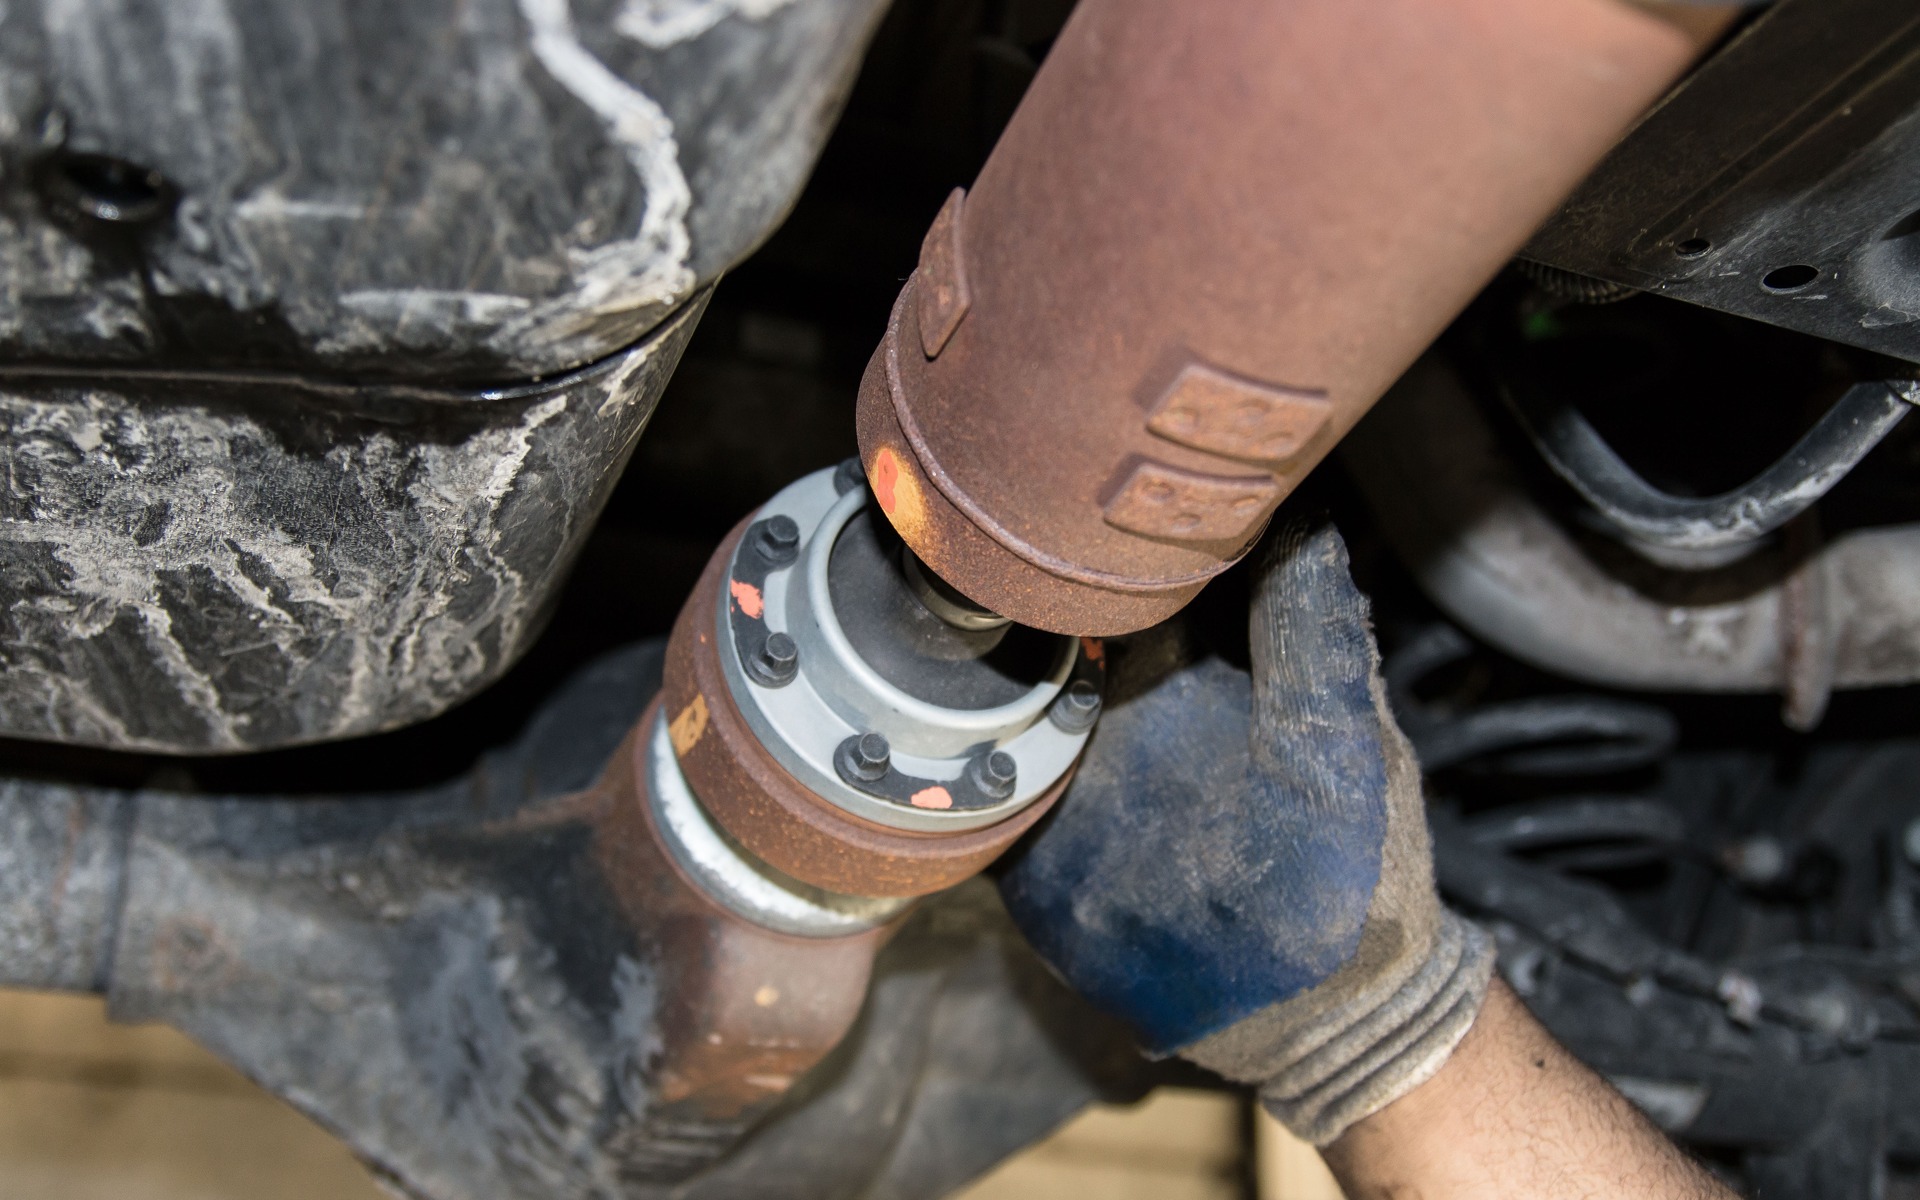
(1211,237)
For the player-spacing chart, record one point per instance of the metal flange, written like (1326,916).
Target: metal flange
(812,699)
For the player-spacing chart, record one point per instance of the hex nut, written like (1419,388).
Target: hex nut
(777,663)
(866,758)
(777,540)
(994,774)
(1077,706)
(848,476)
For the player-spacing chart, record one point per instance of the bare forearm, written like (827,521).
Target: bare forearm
(1512,1114)
(1703,23)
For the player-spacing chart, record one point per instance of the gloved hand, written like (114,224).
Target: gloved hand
(1242,870)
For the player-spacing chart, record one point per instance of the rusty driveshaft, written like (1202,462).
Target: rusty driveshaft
(1212,236)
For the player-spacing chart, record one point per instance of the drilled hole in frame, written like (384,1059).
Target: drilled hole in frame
(109,189)
(1790,278)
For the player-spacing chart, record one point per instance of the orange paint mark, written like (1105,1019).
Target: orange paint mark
(747,597)
(684,730)
(1094,649)
(886,476)
(933,797)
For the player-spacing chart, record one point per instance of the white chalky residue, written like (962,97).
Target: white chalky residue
(619,395)
(658,24)
(272,206)
(405,648)
(109,575)
(650,268)
(209,530)
(466,489)
(399,305)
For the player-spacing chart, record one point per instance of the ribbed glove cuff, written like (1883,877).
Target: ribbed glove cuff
(1352,1065)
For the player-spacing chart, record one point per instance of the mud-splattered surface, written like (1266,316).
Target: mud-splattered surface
(216,565)
(443,978)
(218,530)
(488,190)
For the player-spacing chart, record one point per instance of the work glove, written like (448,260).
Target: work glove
(1242,871)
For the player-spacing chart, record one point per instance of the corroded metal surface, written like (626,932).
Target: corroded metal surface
(770,812)
(1801,617)
(741,1012)
(456,982)
(1118,390)
(536,1001)
(492,189)
(217,563)
(61,853)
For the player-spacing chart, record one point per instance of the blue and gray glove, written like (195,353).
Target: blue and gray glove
(1242,868)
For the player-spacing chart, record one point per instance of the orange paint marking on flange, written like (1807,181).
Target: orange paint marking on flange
(933,797)
(886,475)
(748,598)
(684,730)
(1094,649)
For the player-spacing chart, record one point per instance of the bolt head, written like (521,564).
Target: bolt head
(863,759)
(1000,767)
(777,662)
(778,539)
(994,773)
(872,750)
(848,476)
(1078,707)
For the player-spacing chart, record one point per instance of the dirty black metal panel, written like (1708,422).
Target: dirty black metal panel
(442,978)
(1781,181)
(219,562)
(483,191)
(61,850)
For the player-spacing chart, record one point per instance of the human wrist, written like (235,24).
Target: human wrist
(1702,23)
(1512,1114)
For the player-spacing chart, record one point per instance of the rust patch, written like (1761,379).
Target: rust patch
(1219,412)
(741,1011)
(1093,276)
(1094,649)
(189,953)
(684,730)
(747,598)
(944,296)
(1163,501)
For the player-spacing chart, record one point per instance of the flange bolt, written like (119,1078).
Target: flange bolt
(777,539)
(1076,708)
(865,757)
(848,476)
(994,773)
(777,663)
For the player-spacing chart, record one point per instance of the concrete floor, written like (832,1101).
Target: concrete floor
(95,1111)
